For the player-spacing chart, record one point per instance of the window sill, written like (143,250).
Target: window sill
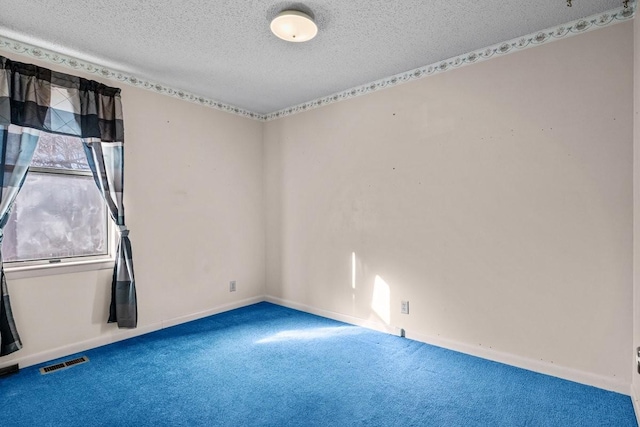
(38,270)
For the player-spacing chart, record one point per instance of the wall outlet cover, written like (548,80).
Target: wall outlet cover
(404,307)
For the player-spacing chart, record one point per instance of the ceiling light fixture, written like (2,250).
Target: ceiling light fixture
(294,26)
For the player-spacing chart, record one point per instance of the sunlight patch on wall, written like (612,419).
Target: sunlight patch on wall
(381,300)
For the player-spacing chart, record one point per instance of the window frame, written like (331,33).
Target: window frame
(64,265)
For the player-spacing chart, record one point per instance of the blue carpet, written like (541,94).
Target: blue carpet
(266,365)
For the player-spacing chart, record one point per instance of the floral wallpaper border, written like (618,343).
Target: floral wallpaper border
(572,28)
(14,46)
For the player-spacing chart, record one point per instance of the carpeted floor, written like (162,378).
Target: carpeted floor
(265,365)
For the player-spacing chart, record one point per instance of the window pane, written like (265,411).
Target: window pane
(60,152)
(56,216)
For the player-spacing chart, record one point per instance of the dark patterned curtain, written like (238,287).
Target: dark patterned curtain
(106,163)
(34,99)
(17,145)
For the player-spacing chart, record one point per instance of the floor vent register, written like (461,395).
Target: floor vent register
(63,365)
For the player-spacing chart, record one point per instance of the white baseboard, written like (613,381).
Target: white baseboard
(575,375)
(66,350)
(122,334)
(582,377)
(570,374)
(376,326)
(217,310)
(635,395)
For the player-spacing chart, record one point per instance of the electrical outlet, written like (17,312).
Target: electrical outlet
(232,286)
(404,307)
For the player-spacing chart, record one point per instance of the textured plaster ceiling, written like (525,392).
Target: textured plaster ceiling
(224,49)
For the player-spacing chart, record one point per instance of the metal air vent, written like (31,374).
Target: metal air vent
(63,365)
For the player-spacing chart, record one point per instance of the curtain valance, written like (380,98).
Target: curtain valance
(42,99)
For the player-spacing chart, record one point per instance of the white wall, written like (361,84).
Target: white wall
(193,203)
(635,389)
(496,198)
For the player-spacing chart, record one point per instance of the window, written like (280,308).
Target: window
(59,214)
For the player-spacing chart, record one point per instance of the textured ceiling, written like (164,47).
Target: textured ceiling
(224,49)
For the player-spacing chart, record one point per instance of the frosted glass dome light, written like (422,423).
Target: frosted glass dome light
(294,26)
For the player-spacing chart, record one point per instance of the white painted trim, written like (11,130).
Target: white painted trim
(575,375)
(15,271)
(546,368)
(582,377)
(376,326)
(635,395)
(123,334)
(206,313)
(108,338)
